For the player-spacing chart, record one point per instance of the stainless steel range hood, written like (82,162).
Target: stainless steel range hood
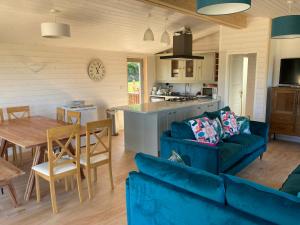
(182,46)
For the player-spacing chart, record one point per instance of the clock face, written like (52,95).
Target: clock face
(96,70)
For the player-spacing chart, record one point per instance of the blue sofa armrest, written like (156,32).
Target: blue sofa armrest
(260,129)
(193,153)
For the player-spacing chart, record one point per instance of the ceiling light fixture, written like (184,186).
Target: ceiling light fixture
(148,35)
(54,29)
(222,7)
(285,27)
(165,37)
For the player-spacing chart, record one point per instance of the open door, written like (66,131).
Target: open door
(135,81)
(242,70)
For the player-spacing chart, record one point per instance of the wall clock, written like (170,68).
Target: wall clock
(96,70)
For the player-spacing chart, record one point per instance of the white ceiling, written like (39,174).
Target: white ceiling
(116,25)
(272,8)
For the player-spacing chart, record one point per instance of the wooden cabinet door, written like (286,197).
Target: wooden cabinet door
(297,119)
(163,70)
(284,109)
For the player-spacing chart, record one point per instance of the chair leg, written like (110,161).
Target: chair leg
(21,156)
(78,176)
(12,194)
(89,182)
(111,176)
(66,184)
(53,196)
(15,158)
(37,187)
(95,175)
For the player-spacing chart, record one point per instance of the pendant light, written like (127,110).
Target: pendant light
(285,27)
(222,7)
(165,37)
(54,29)
(148,35)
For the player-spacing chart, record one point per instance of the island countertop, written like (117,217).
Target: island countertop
(154,107)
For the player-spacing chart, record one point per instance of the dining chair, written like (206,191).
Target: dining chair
(95,156)
(60,164)
(19,112)
(60,114)
(73,117)
(10,145)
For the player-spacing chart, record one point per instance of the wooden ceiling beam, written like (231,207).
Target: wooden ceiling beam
(188,7)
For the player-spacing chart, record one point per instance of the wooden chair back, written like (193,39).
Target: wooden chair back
(1,115)
(73,117)
(62,137)
(60,114)
(18,112)
(98,129)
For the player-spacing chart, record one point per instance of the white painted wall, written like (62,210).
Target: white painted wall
(47,77)
(209,43)
(253,39)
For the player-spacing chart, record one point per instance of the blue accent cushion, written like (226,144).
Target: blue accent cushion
(181,176)
(230,153)
(250,142)
(182,130)
(263,202)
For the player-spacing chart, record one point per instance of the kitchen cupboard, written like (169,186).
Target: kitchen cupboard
(285,111)
(186,71)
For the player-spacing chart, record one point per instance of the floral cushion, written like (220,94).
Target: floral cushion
(204,131)
(229,123)
(243,124)
(218,127)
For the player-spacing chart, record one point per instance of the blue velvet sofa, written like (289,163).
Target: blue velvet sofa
(230,156)
(167,193)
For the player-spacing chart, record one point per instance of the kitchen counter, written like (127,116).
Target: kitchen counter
(145,123)
(154,107)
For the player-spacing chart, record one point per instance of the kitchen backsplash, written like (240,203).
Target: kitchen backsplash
(191,89)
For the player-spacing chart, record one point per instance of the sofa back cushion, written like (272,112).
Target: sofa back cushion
(216,114)
(263,202)
(193,180)
(182,130)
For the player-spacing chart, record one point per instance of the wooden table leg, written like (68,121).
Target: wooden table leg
(38,157)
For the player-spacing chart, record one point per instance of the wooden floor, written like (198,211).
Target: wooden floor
(108,207)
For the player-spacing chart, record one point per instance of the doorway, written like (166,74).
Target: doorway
(135,81)
(242,72)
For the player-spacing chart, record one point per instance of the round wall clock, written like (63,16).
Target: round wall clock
(96,70)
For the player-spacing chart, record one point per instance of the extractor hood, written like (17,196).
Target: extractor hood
(182,46)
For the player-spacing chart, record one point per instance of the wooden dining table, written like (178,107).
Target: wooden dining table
(29,133)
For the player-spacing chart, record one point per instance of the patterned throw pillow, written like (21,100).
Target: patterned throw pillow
(229,123)
(204,131)
(218,127)
(243,124)
(175,157)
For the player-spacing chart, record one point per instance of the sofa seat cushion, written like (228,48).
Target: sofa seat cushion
(261,201)
(230,153)
(292,183)
(249,142)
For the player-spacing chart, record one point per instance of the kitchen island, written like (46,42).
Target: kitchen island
(145,123)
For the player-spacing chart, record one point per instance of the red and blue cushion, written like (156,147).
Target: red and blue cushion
(230,125)
(204,131)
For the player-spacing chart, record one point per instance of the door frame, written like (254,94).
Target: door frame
(141,61)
